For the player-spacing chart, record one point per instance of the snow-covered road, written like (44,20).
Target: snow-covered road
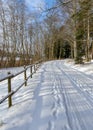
(56,98)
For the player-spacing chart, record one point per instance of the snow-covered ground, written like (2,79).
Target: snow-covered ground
(13,70)
(87,67)
(58,97)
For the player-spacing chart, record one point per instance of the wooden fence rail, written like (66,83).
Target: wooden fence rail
(9,77)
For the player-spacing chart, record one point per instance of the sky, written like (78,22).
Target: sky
(35,3)
(39,5)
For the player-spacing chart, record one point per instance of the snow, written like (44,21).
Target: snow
(87,67)
(58,97)
(13,70)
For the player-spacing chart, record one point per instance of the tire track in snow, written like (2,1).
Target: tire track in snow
(81,78)
(76,84)
(57,104)
(66,102)
(63,97)
(81,94)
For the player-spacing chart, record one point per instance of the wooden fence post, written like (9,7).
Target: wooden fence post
(31,71)
(25,77)
(9,90)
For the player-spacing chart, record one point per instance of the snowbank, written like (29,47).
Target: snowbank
(87,67)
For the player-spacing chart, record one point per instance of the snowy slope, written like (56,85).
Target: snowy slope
(58,97)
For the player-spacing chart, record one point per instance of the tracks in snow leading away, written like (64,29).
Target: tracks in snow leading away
(62,99)
(73,99)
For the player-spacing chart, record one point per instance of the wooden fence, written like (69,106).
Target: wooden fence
(33,69)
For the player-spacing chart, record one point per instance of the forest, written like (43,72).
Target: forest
(63,31)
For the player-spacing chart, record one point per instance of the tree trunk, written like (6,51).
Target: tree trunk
(72,52)
(75,42)
(75,49)
(88,40)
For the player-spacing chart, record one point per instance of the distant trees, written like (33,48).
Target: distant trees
(84,18)
(66,30)
(19,38)
(51,35)
(54,36)
(78,26)
(76,30)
